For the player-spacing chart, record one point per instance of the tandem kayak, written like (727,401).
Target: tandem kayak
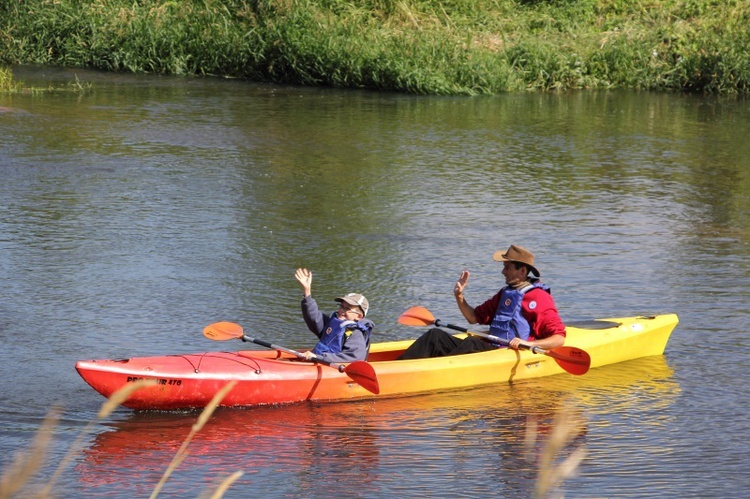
(275,377)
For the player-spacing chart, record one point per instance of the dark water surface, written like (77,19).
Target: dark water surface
(133,215)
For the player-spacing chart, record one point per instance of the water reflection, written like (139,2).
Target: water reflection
(376,444)
(136,214)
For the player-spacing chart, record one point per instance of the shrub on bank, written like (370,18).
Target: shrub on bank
(418,46)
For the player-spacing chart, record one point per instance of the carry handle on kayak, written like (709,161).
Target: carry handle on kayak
(360,371)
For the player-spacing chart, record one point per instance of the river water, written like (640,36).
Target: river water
(136,213)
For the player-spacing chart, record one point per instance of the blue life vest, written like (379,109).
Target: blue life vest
(509,322)
(332,340)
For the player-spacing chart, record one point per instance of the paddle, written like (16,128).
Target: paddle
(572,359)
(360,371)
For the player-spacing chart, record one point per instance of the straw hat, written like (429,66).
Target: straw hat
(517,254)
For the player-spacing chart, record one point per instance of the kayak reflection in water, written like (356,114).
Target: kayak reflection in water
(522,313)
(345,333)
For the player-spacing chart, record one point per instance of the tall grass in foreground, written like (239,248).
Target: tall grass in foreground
(202,419)
(415,46)
(15,478)
(552,472)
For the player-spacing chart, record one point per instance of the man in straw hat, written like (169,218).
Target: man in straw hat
(522,312)
(345,333)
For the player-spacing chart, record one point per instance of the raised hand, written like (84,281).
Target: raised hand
(304,277)
(458,289)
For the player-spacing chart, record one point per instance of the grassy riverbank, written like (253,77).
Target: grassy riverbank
(415,46)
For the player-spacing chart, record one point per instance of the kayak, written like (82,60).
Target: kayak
(266,377)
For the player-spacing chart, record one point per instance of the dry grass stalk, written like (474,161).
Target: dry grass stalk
(566,426)
(25,465)
(529,440)
(181,452)
(228,481)
(122,395)
(110,405)
(17,475)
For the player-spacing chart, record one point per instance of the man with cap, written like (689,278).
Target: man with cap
(522,312)
(345,333)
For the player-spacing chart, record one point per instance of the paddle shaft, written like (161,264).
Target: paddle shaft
(495,339)
(299,355)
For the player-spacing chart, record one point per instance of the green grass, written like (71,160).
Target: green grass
(418,46)
(8,85)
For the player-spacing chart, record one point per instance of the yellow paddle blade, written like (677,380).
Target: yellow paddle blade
(222,331)
(416,316)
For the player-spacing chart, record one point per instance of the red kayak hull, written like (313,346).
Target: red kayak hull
(191,380)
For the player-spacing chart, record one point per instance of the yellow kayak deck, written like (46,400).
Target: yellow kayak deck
(607,341)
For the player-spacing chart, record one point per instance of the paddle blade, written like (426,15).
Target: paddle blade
(572,359)
(417,316)
(222,331)
(364,374)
